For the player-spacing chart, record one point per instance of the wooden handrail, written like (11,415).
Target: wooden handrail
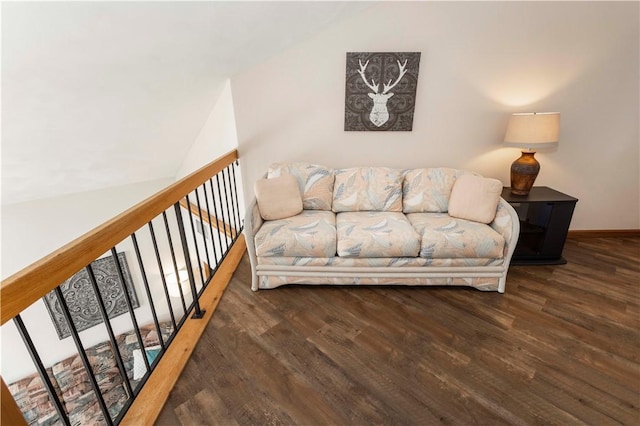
(25,287)
(11,414)
(220,225)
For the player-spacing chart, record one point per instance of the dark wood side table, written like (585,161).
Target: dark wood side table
(545,215)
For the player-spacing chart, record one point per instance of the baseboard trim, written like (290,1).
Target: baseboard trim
(599,233)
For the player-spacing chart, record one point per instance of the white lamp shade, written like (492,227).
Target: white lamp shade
(172,283)
(533,129)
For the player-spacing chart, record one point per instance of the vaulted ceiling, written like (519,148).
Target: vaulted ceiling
(99,94)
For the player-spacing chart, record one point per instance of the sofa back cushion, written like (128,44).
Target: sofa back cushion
(428,190)
(367,189)
(315,183)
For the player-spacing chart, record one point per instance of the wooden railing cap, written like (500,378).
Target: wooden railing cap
(25,287)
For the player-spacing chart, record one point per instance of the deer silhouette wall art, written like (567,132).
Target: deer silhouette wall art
(368,106)
(379,113)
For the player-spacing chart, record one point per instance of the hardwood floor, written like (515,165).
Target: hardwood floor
(561,346)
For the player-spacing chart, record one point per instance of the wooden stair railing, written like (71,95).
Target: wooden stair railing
(22,289)
(11,414)
(220,225)
(147,406)
(25,287)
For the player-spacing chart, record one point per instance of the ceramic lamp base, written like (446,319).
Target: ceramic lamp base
(523,173)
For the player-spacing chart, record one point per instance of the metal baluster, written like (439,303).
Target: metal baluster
(164,281)
(127,299)
(175,263)
(225,186)
(195,242)
(213,243)
(185,248)
(112,337)
(206,250)
(215,213)
(232,213)
(83,356)
(236,198)
(33,352)
(224,221)
(145,281)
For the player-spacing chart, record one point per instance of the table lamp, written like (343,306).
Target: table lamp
(531,130)
(172,283)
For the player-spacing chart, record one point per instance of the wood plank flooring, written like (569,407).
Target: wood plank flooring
(561,346)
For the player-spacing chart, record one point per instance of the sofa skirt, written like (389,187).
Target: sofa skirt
(489,278)
(480,283)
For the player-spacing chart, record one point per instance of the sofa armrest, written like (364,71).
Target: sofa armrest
(253,221)
(507,224)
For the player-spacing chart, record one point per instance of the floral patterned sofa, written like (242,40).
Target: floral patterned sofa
(72,385)
(377,225)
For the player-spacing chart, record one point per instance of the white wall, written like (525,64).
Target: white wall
(481,61)
(217,137)
(33,229)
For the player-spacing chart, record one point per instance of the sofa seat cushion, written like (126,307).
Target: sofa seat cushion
(446,237)
(376,234)
(312,233)
(367,189)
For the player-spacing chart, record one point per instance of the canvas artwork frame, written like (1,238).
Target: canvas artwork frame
(80,297)
(380,92)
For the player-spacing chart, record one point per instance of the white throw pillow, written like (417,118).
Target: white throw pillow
(315,182)
(139,367)
(475,198)
(278,197)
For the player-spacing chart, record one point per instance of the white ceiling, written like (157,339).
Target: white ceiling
(99,94)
